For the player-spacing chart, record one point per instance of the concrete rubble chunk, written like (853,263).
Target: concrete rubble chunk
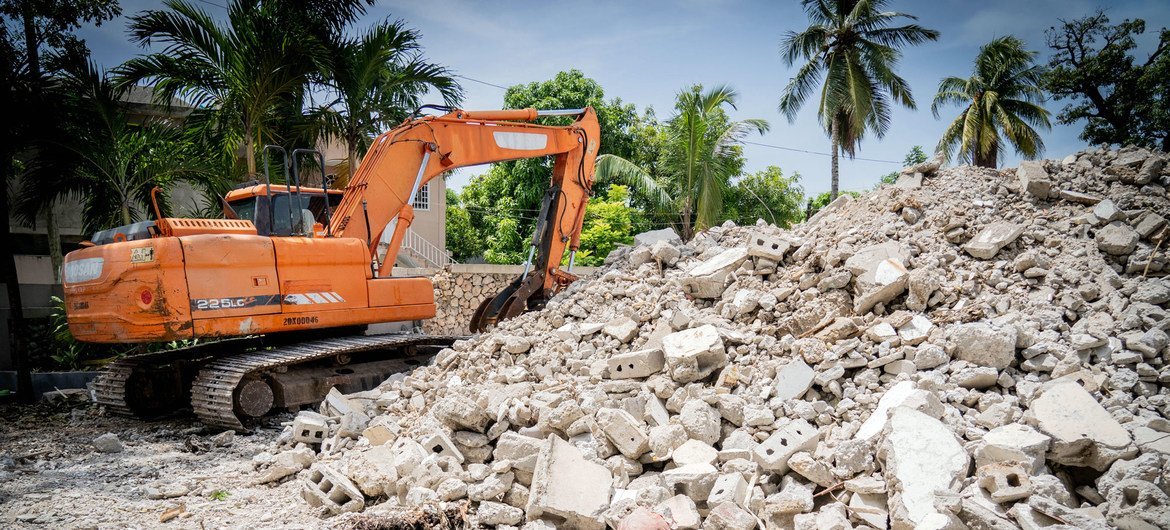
(623,329)
(693,480)
(636,365)
(1078,197)
(373,471)
(700,421)
(1083,433)
(694,452)
(768,247)
(107,443)
(729,516)
(1013,443)
(693,354)
(987,243)
(793,379)
(650,238)
(1107,212)
(708,279)
(623,431)
(1034,178)
(729,487)
(497,513)
(921,456)
(568,488)
(681,512)
(1005,481)
(978,343)
(1117,239)
(876,422)
(881,284)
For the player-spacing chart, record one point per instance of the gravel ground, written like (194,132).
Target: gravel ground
(51,476)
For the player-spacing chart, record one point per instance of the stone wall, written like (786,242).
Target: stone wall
(460,288)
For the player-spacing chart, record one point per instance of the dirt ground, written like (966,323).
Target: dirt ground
(52,477)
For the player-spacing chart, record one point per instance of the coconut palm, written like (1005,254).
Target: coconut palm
(701,155)
(1002,99)
(375,81)
(849,50)
(241,77)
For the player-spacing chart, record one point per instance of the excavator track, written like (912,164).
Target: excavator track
(227,387)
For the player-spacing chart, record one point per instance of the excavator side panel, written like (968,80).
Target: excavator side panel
(231,276)
(128,292)
(318,275)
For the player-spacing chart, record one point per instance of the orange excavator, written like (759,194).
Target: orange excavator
(278,296)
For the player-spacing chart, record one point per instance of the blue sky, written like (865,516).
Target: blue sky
(645,51)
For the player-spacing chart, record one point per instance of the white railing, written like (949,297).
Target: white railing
(428,252)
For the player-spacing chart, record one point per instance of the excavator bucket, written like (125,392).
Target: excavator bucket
(512,301)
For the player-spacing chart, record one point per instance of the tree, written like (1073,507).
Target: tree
(609,222)
(507,198)
(1003,102)
(853,46)
(463,241)
(1122,99)
(44,25)
(107,162)
(247,79)
(914,156)
(767,195)
(700,154)
(377,80)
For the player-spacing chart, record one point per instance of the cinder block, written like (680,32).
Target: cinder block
(310,427)
(326,487)
(773,454)
(439,444)
(694,481)
(642,363)
(768,247)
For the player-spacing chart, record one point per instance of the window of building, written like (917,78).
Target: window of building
(422,200)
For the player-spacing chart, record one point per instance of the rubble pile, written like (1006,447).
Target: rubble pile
(968,348)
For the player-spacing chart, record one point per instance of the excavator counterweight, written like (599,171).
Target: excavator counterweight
(294,264)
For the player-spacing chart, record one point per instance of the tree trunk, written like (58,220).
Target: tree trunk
(126,213)
(250,151)
(16,331)
(836,147)
(353,163)
(56,256)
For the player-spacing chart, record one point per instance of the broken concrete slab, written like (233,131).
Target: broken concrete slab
(793,379)
(876,422)
(1034,178)
(1117,239)
(1083,433)
(988,242)
(623,431)
(568,488)
(980,344)
(922,456)
(654,236)
(708,279)
(1013,443)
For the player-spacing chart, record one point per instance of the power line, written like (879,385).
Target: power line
(818,153)
(208,2)
(481,82)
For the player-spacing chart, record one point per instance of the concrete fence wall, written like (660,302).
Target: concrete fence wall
(460,288)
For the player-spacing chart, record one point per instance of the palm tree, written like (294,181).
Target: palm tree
(110,164)
(854,46)
(1002,94)
(702,154)
(239,76)
(376,80)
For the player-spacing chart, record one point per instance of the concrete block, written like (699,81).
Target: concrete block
(793,379)
(708,279)
(655,412)
(325,487)
(638,364)
(796,436)
(729,487)
(693,354)
(768,247)
(987,243)
(1005,481)
(1013,443)
(310,427)
(439,444)
(1083,432)
(567,488)
(623,431)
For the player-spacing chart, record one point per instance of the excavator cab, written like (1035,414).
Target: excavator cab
(280,210)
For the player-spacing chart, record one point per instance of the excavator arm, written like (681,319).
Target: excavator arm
(376,205)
